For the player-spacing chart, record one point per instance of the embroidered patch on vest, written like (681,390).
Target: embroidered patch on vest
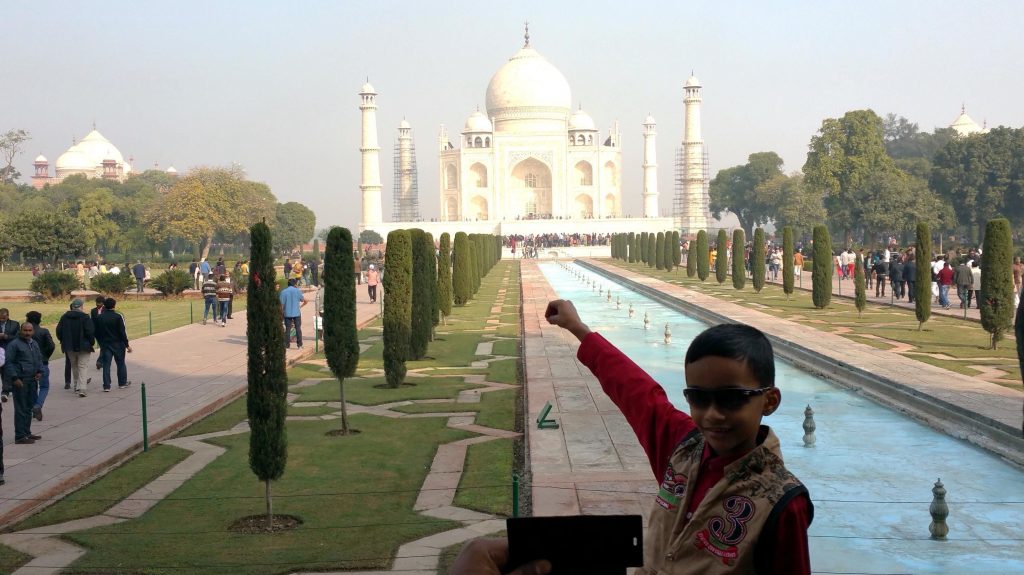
(673,487)
(723,535)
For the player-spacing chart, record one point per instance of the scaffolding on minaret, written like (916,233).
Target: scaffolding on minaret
(691,211)
(406,206)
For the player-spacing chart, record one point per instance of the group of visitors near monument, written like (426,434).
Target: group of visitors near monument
(26,349)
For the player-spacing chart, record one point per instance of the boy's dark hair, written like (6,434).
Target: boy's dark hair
(109,303)
(739,342)
(100,300)
(34,317)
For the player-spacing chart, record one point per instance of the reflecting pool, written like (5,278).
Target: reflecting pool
(871,471)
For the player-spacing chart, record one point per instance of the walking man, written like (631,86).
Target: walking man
(372,280)
(963,278)
(223,293)
(113,338)
(881,270)
(24,369)
(292,302)
(93,314)
(76,334)
(139,271)
(910,277)
(9,330)
(209,299)
(945,280)
(204,268)
(46,346)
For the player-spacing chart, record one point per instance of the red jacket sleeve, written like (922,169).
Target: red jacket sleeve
(657,423)
(786,551)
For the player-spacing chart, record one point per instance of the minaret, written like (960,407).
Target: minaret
(650,169)
(370,186)
(691,211)
(406,206)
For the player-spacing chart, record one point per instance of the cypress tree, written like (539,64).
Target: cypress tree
(703,255)
(739,273)
(659,251)
(757,256)
(435,305)
(722,257)
(821,276)
(677,255)
(787,261)
(634,249)
(462,277)
(691,259)
(444,278)
(474,269)
(643,247)
(997,297)
(631,247)
(668,260)
(397,306)
(860,298)
(266,402)
(923,287)
(652,245)
(422,294)
(341,340)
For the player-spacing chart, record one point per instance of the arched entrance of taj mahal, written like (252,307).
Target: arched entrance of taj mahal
(530,190)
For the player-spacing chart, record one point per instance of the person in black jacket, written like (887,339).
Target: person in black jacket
(910,277)
(46,348)
(76,334)
(881,269)
(896,277)
(113,339)
(9,330)
(24,369)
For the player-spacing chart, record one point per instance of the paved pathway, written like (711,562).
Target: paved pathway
(591,464)
(188,371)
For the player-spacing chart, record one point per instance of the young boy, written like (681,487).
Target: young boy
(726,502)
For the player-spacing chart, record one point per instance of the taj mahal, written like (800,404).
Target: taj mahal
(530,164)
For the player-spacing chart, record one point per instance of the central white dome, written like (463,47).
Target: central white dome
(527,80)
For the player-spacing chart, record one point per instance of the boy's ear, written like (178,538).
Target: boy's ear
(772,399)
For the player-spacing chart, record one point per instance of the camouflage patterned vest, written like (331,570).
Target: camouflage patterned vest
(722,534)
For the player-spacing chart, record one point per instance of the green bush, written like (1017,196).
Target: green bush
(923,255)
(55,284)
(787,261)
(474,267)
(444,276)
(822,273)
(677,254)
(631,240)
(703,255)
(667,259)
(722,256)
(691,259)
(757,256)
(808,265)
(739,273)
(174,282)
(462,277)
(997,305)
(397,285)
(652,244)
(422,293)
(860,298)
(643,247)
(341,339)
(659,251)
(113,285)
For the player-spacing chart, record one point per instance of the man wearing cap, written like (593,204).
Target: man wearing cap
(76,334)
(113,339)
(372,279)
(24,369)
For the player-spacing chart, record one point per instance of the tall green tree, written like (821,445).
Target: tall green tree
(677,253)
(667,259)
(293,227)
(462,278)
(397,285)
(757,260)
(266,402)
(737,190)
(632,247)
(739,274)
(444,277)
(474,269)
(11,145)
(722,256)
(860,298)
(923,285)
(997,295)
(691,259)
(794,204)
(643,247)
(821,274)
(341,340)
(659,251)
(788,272)
(843,155)
(422,293)
(46,235)
(652,246)
(435,303)
(703,255)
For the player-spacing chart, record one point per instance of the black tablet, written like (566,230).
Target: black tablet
(579,544)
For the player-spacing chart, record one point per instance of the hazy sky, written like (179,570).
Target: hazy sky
(272,85)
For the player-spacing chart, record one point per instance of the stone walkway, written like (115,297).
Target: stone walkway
(436,498)
(592,463)
(189,372)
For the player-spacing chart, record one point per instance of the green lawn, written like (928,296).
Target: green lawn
(11,560)
(221,420)
(487,478)
(369,391)
(965,342)
(15,280)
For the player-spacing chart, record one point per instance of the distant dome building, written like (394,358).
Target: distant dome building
(93,157)
(964,125)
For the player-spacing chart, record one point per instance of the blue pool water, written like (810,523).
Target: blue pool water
(871,471)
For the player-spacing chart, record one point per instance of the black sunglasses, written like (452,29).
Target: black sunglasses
(727,398)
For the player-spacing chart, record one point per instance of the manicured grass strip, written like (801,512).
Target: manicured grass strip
(11,559)
(354,495)
(486,483)
(366,392)
(503,371)
(498,410)
(311,411)
(102,494)
(506,347)
(221,420)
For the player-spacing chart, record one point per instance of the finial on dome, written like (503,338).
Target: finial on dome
(963,107)
(94,124)
(526,36)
